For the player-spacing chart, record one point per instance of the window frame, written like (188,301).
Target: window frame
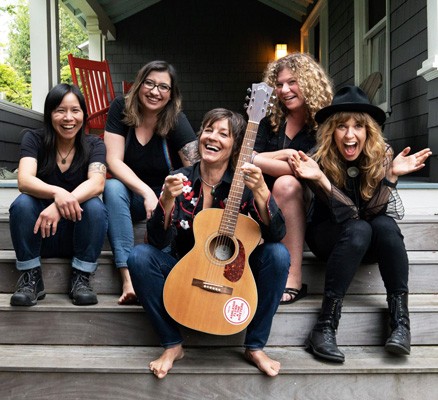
(363,39)
(318,15)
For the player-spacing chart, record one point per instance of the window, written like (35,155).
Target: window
(372,44)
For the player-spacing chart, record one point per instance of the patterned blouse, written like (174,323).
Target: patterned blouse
(180,234)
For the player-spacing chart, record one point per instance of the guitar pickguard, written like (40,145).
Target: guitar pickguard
(234,270)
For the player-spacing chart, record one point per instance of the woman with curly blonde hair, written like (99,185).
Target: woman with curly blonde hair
(301,89)
(354,176)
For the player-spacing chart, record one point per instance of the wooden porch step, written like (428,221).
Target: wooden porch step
(107,372)
(56,321)
(420,232)
(423,277)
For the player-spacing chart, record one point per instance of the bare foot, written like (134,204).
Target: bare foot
(265,364)
(161,366)
(128,295)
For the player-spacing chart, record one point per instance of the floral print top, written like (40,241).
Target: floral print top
(180,234)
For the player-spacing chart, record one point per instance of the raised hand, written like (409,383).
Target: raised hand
(304,167)
(173,187)
(405,164)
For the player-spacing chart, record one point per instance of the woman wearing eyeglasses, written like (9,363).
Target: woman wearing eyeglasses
(146,136)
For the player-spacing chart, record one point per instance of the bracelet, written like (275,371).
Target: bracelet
(386,182)
(253,156)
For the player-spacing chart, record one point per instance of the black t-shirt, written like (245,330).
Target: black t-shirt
(32,146)
(150,162)
(267,140)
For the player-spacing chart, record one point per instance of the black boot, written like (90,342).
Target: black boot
(81,292)
(30,288)
(322,339)
(399,341)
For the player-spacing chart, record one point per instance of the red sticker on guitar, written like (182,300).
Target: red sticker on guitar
(236,311)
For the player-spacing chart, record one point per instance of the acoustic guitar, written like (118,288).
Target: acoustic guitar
(212,288)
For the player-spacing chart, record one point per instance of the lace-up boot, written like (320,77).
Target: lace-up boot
(30,288)
(322,339)
(399,341)
(81,291)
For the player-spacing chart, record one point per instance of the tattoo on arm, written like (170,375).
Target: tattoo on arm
(190,152)
(97,167)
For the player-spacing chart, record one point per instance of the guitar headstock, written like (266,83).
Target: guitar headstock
(259,101)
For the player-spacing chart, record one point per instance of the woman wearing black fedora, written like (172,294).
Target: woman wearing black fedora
(353,175)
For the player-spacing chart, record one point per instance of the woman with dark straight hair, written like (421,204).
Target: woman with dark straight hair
(58,213)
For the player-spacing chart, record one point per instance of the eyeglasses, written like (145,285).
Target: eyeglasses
(151,85)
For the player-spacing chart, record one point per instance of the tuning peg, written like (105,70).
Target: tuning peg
(247,98)
(248,90)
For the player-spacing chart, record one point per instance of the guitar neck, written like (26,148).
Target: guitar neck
(229,218)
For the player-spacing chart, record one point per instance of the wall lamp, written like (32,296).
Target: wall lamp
(280,50)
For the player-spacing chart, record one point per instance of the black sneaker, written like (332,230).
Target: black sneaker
(81,292)
(30,288)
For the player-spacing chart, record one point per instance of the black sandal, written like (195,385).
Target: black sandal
(295,294)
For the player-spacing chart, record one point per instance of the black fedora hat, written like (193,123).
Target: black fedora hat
(351,99)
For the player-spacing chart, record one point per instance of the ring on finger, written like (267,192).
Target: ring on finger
(246,177)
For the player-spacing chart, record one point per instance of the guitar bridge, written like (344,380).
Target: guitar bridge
(212,287)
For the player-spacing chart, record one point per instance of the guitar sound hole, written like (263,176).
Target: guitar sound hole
(222,248)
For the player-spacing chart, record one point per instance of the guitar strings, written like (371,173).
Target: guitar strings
(236,190)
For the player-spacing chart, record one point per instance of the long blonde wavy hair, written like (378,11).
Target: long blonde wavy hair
(312,80)
(372,160)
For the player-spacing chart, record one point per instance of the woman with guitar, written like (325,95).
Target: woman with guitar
(197,189)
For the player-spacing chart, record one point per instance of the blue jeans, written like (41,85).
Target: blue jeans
(124,207)
(149,268)
(345,246)
(81,240)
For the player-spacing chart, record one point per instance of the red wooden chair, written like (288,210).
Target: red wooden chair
(126,86)
(97,87)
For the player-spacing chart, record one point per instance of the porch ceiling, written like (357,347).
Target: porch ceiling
(110,12)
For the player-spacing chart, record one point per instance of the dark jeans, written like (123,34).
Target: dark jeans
(81,240)
(149,268)
(344,246)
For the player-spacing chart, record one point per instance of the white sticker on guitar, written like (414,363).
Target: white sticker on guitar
(236,311)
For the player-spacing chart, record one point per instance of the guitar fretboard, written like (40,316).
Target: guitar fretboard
(229,218)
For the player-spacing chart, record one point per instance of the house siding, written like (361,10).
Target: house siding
(409,107)
(341,42)
(218,50)
(13,120)
(408,122)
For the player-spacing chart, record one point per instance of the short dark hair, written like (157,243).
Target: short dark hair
(236,125)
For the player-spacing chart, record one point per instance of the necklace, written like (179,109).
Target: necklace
(213,187)
(352,172)
(64,159)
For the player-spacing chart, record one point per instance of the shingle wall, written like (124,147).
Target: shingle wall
(218,48)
